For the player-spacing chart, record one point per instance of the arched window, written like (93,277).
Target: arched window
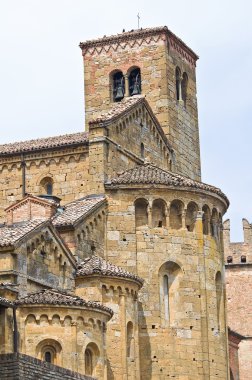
(49,350)
(169,282)
(178,83)
(219,301)
(191,214)
(88,362)
(206,219)
(184,85)
(176,209)
(118,84)
(141,212)
(130,340)
(142,150)
(158,213)
(166,297)
(92,355)
(134,82)
(46,185)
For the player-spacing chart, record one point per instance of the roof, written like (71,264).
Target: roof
(133,34)
(119,109)
(44,143)
(6,303)
(56,297)
(150,174)
(75,210)
(95,265)
(9,235)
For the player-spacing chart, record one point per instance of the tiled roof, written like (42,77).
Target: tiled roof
(44,143)
(152,175)
(55,297)
(75,210)
(9,235)
(95,265)
(133,34)
(118,109)
(5,302)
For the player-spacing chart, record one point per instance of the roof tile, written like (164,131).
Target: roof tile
(117,109)
(151,174)
(9,235)
(95,265)
(56,297)
(44,143)
(77,209)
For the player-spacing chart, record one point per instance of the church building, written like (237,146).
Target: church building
(111,246)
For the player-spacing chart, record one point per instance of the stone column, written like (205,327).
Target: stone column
(126,81)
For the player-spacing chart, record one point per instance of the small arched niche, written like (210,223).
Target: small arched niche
(206,220)
(141,212)
(159,213)
(169,284)
(118,85)
(142,150)
(46,185)
(176,209)
(130,340)
(191,215)
(214,223)
(135,86)
(92,354)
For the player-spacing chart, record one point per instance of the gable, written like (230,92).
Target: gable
(134,136)
(42,260)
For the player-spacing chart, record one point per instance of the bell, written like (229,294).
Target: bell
(119,93)
(135,89)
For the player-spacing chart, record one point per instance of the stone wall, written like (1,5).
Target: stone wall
(67,169)
(20,366)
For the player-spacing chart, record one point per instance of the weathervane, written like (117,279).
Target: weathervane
(138,20)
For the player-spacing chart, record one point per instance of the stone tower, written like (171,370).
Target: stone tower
(166,67)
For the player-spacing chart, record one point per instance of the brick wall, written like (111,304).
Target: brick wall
(19,366)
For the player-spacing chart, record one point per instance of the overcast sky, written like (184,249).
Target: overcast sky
(41,76)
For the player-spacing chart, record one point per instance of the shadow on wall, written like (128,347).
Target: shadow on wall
(110,372)
(145,353)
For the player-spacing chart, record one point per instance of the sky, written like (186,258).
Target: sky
(41,75)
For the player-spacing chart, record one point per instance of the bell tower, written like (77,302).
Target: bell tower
(157,64)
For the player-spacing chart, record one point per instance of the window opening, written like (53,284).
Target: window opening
(135,82)
(178,84)
(118,86)
(48,357)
